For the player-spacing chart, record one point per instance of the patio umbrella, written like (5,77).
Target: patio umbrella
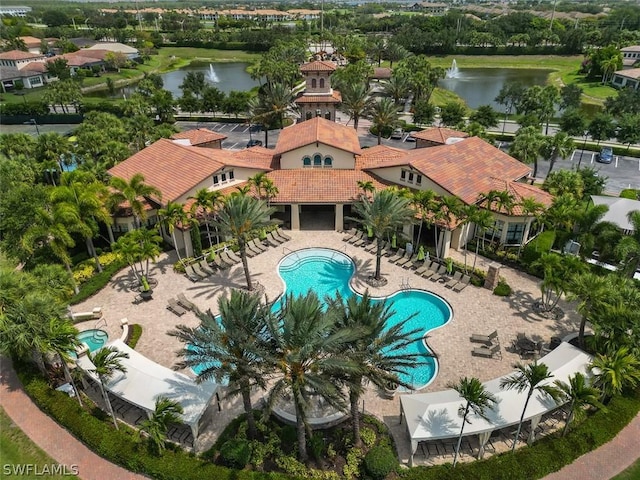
(263,234)
(394,241)
(369,232)
(420,253)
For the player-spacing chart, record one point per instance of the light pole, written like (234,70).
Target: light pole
(33,122)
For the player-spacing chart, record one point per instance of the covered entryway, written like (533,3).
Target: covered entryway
(317,217)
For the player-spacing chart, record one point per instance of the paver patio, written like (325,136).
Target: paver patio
(476,310)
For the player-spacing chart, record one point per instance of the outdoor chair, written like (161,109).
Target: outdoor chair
(398,255)
(363,240)
(405,260)
(233,256)
(224,256)
(175,308)
(462,284)
(280,234)
(371,248)
(349,234)
(431,270)
(250,252)
(196,268)
(440,274)
(386,249)
(272,241)
(486,339)
(205,267)
(414,263)
(192,274)
(423,267)
(258,246)
(273,237)
(186,303)
(217,261)
(455,279)
(356,238)
(487,352)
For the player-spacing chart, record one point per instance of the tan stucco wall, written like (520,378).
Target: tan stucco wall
(341,159)
(240,175)
(393,175)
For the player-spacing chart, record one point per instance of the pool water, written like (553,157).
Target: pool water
(327,271)
(95,339)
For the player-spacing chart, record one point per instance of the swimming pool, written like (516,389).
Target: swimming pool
(94,338)
(326,271)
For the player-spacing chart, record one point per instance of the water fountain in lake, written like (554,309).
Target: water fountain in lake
(453,71)
(213,77)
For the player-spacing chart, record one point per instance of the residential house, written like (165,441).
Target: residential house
(630,56)
(317,165)
(626,78)
(433,137)
(19,66)
(200,137)
(318,98)
(14,11)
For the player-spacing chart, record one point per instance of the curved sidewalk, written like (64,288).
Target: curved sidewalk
(59,444)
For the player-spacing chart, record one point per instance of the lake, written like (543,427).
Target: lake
(479,86)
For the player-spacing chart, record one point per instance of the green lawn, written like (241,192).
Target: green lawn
(17,449)
(631,473)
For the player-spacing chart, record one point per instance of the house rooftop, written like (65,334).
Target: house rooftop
(199,136)
(19,55)
(318,130)
(318,66)
(439,134)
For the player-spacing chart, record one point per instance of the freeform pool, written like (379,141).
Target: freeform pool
(94,339)
(327,271)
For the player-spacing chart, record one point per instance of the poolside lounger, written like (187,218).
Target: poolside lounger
(440,274)
(175,308)
(199,271)
(258,245)
(386,249)
(405,260)
(186,303)
(357,237)
(218,262)
(205,267)
(414,263)
(278,232)
(250,252)
(487,339)
(461,285)
(349,234)
(487,352)
(362,241)
(372,247)
(272,236)
(233,256)
(224,256)
(424,267)
(398,255)
(431,271)
(456,278)
(192,273)
(271,241)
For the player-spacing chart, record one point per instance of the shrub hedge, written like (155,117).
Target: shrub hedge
(235,453)
(97,282)
(379,462)
(502,289)
(135,331)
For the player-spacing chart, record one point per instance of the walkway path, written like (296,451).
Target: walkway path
(49,436)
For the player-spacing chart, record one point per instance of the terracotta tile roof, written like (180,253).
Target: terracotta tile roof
(464,169)
(254,157)
(379,156)
(381,72)
(31,41)
(198,136)
(76,60)
(172,168)
(633,73)
(519,191)
(319,130)
(318,66)
(19,55)
(39,67)
(439,134)
(335,97)
(321,185)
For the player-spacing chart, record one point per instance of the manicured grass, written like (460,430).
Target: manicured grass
(440,97)
(185,55)
(17,449)
(631,473)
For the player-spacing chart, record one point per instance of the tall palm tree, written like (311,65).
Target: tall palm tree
(628,249)
(277,100)
(483,219)
(240,217)
(557,270)
(106,362)
(529,378)
(62,338)
(397,87)
(558,146)
(226,347)
(166,413)
(590,289)
(356,101)
(130,250)
(423,201)
(615,371)
(149,241)
(478,399)
(133,191)
(379,351)
(203,202)
(530,208)
(304,351)
(384,116)
(579,395)
(384,214)
(175,216)
(450,207)
(527,145)
(367,187)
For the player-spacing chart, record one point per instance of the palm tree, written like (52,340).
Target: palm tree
(149,241)
(129,249)
(356,101)
(226,347)
(304,348)
(557,270)
(106,362)
(379,351)
(450,207)
(422,201)
(203,201)
(62,339)
(367,187)
(530,378)
(166,413)
(277,100)
(530,208)
(615,371)
(384,116)
(477,399)
(558,146)
(628,249)
(527,145)
(483,219)
(175,216)
(240,217)
(384,214)
(590,289)
(579,395)
(397,87)
(133,192)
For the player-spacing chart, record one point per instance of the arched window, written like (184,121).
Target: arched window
(317,160)
(306,162)
(328,162)
(313,83)
(322,83)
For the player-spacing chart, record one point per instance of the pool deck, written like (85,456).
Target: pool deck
(475,310)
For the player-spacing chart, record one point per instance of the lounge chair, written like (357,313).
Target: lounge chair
(258,245)
(386,249)
(271,236)
(175,308)
(359,235)
(233,256)
(440,274)
(407,259)
(372,247)
(487,352)
(250,252)
(205,267)
(349,234)
(199,271)
(398,255)
(218,262)
(186,303)
(278,232)
(192,273)
(224,256)
(486,339)
(462,284)
(456,278)
(422,268)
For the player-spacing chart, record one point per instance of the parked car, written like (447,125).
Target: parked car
(254,143)
(397,134)
(605,155)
